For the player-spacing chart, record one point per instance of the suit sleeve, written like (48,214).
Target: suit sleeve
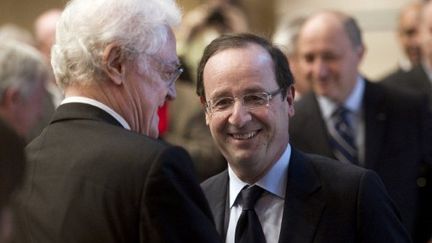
(174,202)
(378,219)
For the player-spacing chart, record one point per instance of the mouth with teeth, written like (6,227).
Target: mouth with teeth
(244,136)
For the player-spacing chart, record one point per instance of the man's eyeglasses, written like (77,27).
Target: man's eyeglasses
(250,101)
(169,72)
(172,76)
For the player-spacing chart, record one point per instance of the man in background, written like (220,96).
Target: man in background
(286,36)
(408,34)
(357,121)
(44,32)
(23,73)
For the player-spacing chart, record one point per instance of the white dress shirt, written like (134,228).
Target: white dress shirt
(269,207)
(89,101)
(354,104)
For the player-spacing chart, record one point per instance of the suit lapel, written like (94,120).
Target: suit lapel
(313,126)
(216,191)
(77,111)
(375,120)
(304,202)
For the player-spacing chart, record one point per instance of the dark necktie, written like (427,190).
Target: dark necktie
(342,137)
(249,228)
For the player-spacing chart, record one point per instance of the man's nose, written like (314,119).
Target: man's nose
(240,114)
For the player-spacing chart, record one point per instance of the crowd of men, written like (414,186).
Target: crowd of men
(82,159)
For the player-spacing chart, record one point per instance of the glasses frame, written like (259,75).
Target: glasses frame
(179,69)
(209,105)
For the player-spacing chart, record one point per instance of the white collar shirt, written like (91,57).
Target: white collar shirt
(93,102)
(270,206)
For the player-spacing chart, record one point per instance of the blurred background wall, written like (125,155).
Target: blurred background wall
(376,17)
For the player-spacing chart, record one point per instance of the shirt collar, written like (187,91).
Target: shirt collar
(352,103)
(274,181)
(92,102)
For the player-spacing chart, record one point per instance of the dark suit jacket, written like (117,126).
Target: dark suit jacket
(396,140)
(12,163)
(418,82)
(415,80)
(326,201)
(92,181)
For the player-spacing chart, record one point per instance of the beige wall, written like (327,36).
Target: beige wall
(23,12)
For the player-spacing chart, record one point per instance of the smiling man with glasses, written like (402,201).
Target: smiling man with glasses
(272,192)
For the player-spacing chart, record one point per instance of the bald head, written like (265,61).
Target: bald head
(339,22)
(330,49)
(44,28)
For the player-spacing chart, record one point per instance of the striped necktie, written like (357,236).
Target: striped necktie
(342,138)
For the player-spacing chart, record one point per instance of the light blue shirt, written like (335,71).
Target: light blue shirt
(92,102)
(354,104)
(270,206)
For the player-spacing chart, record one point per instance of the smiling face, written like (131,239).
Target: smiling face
(327,57)
(251,140)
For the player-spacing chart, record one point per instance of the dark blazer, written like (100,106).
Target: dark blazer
(90,180)
(418,82)
(12,163)
(415,80)
(396,140)
(326,201)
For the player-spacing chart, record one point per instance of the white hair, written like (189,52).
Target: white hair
(86,27)
(21,67)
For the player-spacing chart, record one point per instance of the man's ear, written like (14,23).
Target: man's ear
(203,104)
(113,62)
(10,97)
(290,99)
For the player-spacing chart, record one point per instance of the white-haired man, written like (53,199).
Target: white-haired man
(97,173)
(22,76)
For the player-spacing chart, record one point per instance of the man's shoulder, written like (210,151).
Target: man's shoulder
(215,187)
(334,175)
(395,75)
(393,97)
(216,181)
(305,107)
(328,166)
(412,79)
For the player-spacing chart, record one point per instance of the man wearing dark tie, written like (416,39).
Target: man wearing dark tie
(381,129)
(272,192)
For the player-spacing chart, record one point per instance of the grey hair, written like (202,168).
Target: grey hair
(21,67)
(86,27)
(287,33)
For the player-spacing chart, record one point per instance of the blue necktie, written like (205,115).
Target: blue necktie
(249,228)
(342,138)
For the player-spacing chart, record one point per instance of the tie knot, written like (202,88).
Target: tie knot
(340,115)
(341,111)
(250,196)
